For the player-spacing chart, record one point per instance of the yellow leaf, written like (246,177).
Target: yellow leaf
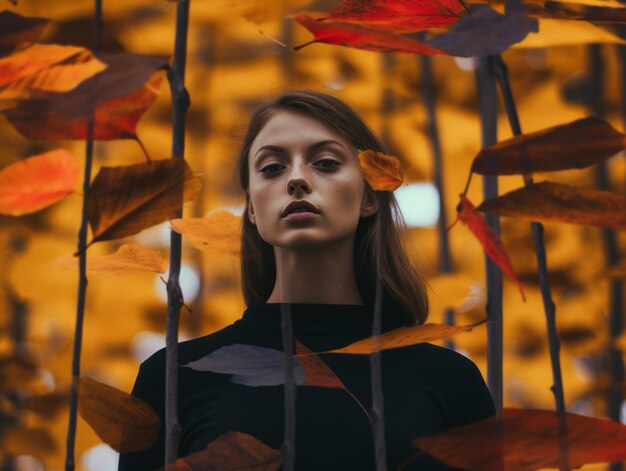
(122,421)
(404,336)
(382,172)
(130,258)
(219,231)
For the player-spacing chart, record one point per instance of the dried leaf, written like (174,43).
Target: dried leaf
(16,373)
(129,258)
(16,29)
(578,144)
(486,32)
(342,33)
(549,201)
(115,119)
(128,199)
(37,182)
(382,172)
(230,451)
(553,33)
(318,373)
(47,405)
(122,421)
(403,337)
(218,232)
(400,16)
(578,11)
(530,441)
(36,441)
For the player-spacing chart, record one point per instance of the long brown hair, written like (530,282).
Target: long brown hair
(404,287)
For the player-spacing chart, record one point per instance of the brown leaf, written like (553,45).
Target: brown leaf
(230,451)
(16,29)
(555,33)
(218,232)
(382,172)
(578,144)
(404,336)
(578,11)
(36,441)
(342,33)
(488,238)
(115,119)
(16,373)
(34,183)
(128,199)
(122,421)
(549,201)
(530,442)
(318,373)
(47,405)
(129,258)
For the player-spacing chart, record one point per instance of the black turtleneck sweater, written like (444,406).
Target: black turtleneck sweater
(427,389)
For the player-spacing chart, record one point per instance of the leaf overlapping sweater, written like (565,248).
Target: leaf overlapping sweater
(427,389)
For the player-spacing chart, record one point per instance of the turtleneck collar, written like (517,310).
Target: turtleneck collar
(312,318)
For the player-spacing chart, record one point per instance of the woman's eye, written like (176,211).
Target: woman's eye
(329,163)
(263,170)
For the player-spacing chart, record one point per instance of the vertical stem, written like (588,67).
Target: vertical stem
(180,105)
(378,412)
(542,266)
(289,441)
(82,266)
(487,98)
(614,357)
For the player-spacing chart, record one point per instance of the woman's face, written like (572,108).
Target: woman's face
(295,158)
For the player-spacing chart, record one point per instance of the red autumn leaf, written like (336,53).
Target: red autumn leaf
(487,237)
(115,119)
(16,29)
(342,33)
(574,145)
(530,441)
(549,201)
(37,182)
(318,373)
(400,16)
(230,451)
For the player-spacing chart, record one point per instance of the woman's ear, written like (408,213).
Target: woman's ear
(369,204)
(250,210)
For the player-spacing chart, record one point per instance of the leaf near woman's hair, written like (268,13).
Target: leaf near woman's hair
(488,238)
(36,182)
(574,145)
(530,441)
(128,199)
(557,202)
(399,16)
(218,232)
(403,337)
(382,172)
(129,258)
(122,421)
(16,29)
(230,451)
(343,33)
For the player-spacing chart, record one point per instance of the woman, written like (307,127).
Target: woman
(310,234)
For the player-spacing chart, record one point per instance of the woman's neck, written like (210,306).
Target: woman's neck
(316,275)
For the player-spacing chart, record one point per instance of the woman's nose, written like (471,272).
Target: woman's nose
(298,180)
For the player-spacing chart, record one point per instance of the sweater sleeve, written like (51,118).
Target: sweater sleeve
(150,387)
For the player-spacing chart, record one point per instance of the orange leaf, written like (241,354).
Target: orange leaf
(122,421)
(530,441)
(404,336)
(16,29)
(219,231)
(549,201)
(487,237)
(589,141)
(399,16)
(37,182)
(318,373)
(128,199)
(342,33)
(115,119)
(382,172)
(231,450)
(129,258)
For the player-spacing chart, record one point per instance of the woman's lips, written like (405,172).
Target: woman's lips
(298,216)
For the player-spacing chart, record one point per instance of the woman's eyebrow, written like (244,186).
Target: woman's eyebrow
(312,148)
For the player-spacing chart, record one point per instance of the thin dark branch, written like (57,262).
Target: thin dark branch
(542,267)
(180,105)
(82,265)
(289,441)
